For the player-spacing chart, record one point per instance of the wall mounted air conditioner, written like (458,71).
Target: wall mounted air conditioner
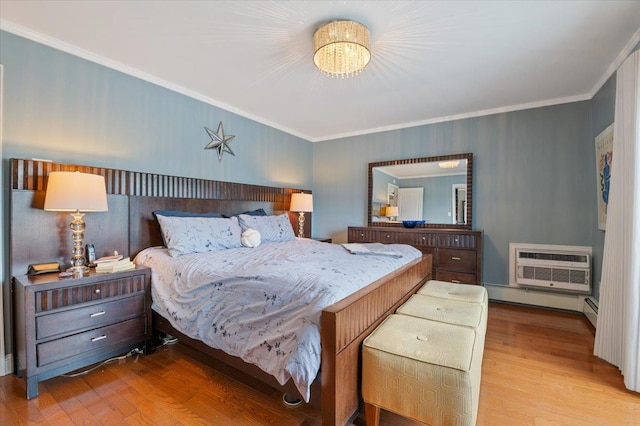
(557,268)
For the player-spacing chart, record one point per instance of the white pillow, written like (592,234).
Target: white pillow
(271,228)
(184,235)
(250,238)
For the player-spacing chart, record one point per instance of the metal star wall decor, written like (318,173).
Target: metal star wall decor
(219,141)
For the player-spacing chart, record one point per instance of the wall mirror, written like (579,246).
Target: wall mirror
(436,190)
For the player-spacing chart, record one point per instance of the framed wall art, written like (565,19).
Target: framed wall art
(604,160)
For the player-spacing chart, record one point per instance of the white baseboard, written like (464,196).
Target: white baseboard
(547,299)
(6,367)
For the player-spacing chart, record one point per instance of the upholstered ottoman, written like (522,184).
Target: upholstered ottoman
(451,311)
(447,290)
(421,369)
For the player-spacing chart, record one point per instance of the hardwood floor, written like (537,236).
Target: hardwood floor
(538,369)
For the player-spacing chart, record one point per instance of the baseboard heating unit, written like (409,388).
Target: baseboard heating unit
(547,267)
(590,310)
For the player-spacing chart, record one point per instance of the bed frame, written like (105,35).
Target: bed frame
(133,196)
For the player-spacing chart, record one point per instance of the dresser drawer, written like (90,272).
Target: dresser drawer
(93,340)
(455,277)
(359,235)
(65,322)
(453,240)
(388,237)
(424,240)
(457,260)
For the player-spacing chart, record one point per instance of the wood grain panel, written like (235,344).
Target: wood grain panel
(109,231)
(346,324)
(31,175)
(466,243)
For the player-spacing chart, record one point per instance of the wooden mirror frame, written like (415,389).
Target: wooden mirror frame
(465,156)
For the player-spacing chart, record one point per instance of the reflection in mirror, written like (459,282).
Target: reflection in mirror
(437,190)
(459,203)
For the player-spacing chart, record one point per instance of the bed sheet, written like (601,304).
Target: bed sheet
(263,304)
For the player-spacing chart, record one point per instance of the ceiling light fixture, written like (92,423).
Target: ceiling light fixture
(341,48)
(449,164)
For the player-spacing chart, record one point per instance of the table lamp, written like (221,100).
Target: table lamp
(301,203)
(391,212)
(77,193)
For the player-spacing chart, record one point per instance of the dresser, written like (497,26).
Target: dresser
(64,324)
(457,253)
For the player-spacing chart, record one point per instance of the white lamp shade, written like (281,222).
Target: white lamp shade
(301,203)
(391,211)
(71,191)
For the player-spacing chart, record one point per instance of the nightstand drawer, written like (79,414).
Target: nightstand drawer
(93,340)
(89,316)
(61,297)
(457,260)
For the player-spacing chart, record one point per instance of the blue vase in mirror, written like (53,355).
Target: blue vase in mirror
(412,223)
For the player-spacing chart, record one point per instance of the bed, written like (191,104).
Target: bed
(133,196)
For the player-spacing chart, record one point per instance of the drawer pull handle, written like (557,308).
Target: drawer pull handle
(95,339)
(97,291)
(455,258)
(455,281)
(388,236)
(97,314)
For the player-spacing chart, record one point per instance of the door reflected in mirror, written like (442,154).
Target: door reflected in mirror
(437,190)
(459,203)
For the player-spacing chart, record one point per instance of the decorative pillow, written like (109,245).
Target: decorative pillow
(256,212)
(184,235)
(179,213)
(271,228)
(250,238)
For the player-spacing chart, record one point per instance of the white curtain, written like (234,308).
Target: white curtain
(618,332)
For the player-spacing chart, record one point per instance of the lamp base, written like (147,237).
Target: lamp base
(79,271)
(301,224)
(77,228)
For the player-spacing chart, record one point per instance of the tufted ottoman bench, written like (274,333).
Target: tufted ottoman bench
(421,369)
(447,290)
(425,362)
(460,304)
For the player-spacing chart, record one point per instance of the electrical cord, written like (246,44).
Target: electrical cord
(132,352)
(160,342)
(168,340)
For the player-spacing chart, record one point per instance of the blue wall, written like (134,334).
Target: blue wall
(64,108)
(534,177)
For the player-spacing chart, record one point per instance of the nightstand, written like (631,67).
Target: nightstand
(63,324)
(322,240)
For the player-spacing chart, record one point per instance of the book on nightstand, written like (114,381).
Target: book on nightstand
(115,266)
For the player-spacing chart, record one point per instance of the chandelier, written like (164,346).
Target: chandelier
(341,48)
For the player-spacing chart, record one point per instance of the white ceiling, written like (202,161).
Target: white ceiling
(431,61)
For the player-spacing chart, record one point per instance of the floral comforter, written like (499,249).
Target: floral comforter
(263,304)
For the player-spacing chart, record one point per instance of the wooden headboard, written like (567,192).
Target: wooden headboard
(129,226)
